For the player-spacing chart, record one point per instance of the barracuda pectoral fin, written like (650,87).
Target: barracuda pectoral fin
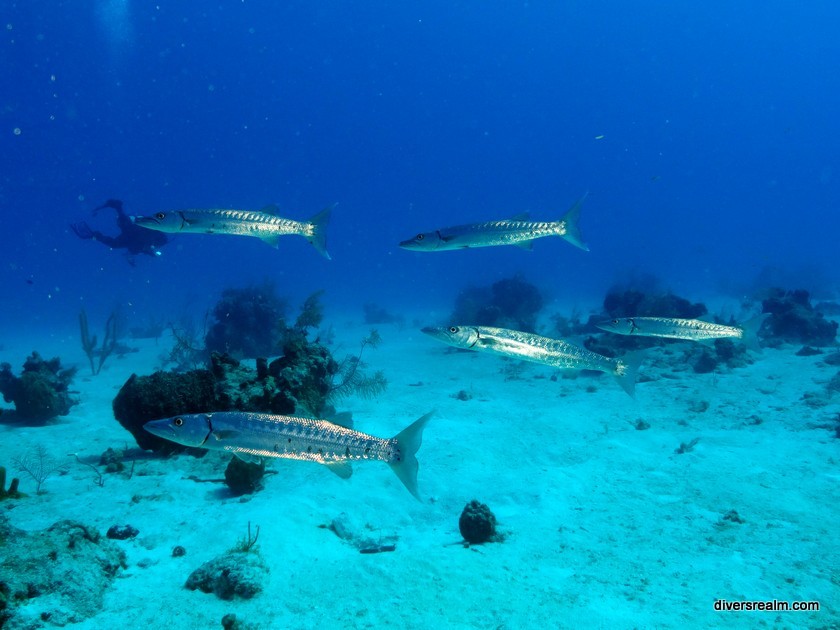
(499,345)
(224,434)
(342,469)
(249,458)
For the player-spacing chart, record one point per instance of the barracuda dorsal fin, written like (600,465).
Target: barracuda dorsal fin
(522,216)
(270,209)
(529,245)
(272,240)
(342,469)
(343,419)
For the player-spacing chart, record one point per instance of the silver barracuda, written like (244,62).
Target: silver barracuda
(263,224)
(529,347)
(519,231)
(254,436)
(688,329)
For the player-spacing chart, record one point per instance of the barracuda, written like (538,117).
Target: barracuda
(529,347)
(263,224)
(688,329)
(255,436)
(517,231)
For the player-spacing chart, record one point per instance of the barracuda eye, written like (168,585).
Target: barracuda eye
(160,216)
(419,237)
(453,329)
(615,322)
(178,422)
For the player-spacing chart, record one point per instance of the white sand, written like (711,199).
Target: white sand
(607,527)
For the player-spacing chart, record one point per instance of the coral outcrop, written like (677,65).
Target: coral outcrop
(477,523)
(795,320)
(60,573)
(509,303)
(162,395)
(247,323)
(297,383)
(41,392)
(236,574)
(12,491)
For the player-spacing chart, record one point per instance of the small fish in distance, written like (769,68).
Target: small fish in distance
(253,436)
(263,224)
(529,347)
(518,230)
(687,329)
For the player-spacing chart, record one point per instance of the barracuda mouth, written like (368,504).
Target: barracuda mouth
(436,332)
(160,428)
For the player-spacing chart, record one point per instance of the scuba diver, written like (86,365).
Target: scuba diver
(133,238)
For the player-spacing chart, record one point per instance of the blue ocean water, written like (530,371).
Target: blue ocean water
(704,135)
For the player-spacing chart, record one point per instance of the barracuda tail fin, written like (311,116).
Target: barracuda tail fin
(319,230)
(628,371)
(571,219)
(750,330)
(408,442)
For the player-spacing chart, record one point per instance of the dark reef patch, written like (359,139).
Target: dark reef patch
(795,320)
(244,477)
(41,392)
(509,303)
(247,322)
(162,395)
(477,524)
(297,383)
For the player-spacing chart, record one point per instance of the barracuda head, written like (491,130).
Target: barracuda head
(187,430)
(424,242)
(458,336)
(163,221)
(619,326)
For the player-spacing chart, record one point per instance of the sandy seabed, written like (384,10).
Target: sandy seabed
(606,525)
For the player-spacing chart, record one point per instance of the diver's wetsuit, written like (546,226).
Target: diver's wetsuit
(133,238)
